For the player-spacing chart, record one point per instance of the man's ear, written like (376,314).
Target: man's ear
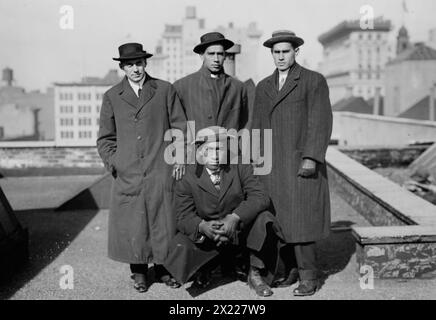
(297,51)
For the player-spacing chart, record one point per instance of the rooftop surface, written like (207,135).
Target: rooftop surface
(79,239)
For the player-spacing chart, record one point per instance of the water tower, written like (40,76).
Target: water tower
(8,76)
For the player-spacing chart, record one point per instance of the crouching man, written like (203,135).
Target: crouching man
(221,212)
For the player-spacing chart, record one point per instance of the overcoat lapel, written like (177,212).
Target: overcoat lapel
(204,182)
(205,87)
(127,93)
(148,91)
(271,89)
(223,92)
(290,84)
(227,176)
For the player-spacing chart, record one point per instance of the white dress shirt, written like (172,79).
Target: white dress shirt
(137,86)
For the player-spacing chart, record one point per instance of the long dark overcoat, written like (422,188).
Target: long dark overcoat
(197,97)
(300,117)
(131,144)
(196,198)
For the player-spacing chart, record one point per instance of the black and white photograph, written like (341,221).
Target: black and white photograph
(218,155)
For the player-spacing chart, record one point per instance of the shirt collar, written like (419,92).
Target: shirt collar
(208,74)
(137,86)
(210,172)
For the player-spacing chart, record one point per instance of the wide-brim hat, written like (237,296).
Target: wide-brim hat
(129,51)
(212,38)
(283,36)
(213,134)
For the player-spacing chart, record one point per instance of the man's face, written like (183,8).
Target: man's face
(214,154)
(284,55)
(135,69)
(213,58)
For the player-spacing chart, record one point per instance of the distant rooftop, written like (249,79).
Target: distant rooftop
(353,104)
(346,27)
(419,111)
(419,51)
(110,79)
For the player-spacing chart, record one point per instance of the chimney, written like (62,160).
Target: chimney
(36,123)
(8,76)
(190,12)
(376,108)
(229,63)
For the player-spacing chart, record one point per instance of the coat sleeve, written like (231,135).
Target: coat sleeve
(244,112)
(319,127)
(177,116)
(186,213)
(255,198)
(107,135)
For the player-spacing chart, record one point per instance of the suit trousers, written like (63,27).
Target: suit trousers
(301,256)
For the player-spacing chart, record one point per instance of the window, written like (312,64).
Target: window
(85,134)
(67,134)
(66,109)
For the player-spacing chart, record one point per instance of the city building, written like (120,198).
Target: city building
(410,77)
(77,109)
(354,59)
(25,115)
(174,58)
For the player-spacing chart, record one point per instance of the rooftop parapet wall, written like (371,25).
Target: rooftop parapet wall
(46,155)
(402,241)
(360,130)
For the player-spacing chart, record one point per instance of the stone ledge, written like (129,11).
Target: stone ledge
(402,242)
(397,252)
(390,235)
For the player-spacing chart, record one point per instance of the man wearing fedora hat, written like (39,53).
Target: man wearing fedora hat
(210,96)
(134,117)
(222,209)
(294,102)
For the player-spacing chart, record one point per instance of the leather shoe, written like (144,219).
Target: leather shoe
(256,282)
(202,280)
(170,281)
(140,282)
(287,281)
(306,288)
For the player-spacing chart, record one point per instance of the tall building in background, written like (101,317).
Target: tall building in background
(410,79)
(246,63)
(175,59)
(354,59)
(77,109)
(24,115)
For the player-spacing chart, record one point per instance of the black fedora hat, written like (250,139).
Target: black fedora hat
(283,36)
(211,38)
(130,51)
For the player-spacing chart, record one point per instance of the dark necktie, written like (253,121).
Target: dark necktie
(139,92)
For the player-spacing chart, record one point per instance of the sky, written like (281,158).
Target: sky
(41,52)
